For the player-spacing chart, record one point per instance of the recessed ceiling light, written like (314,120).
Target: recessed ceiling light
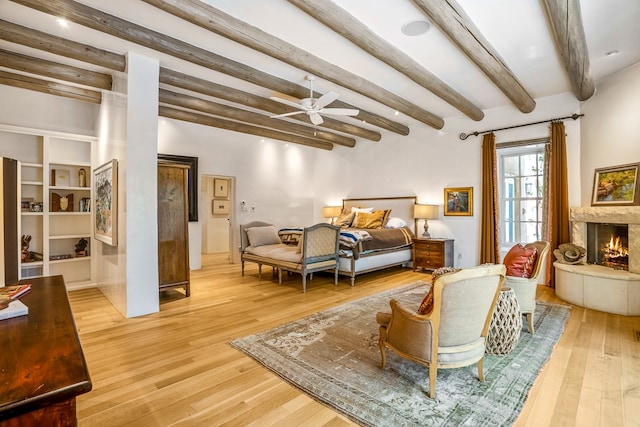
(63,22)
(612,52)
(415,28)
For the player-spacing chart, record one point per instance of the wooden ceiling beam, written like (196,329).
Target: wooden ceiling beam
(565,19)
(112,25)
(226,111)
(18,34)
(68,48)
(195,84)
(455,24)
(212,19)
(345,24)
(49,87)
(55,70)
(202,119)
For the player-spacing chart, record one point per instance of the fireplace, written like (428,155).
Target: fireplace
(608,245)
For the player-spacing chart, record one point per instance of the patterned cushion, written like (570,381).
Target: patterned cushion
(426,306)
(520,260)
(345,219)
(369,220)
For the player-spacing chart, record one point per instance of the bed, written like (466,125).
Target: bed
(379,252)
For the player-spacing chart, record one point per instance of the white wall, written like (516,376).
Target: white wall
(610,127)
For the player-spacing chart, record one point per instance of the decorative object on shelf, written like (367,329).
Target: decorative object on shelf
(331,212)
(85,204)
(221,188)
(25,204)
(616,186)
(60,177)
(59,257)
(425,212)
(220,207)
(568,253)
(82,177)
(26,254)
(106,190)
(81,247)
(35,207)
(61,203)
(458,201)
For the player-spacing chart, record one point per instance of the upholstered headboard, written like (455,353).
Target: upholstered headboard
(401,207)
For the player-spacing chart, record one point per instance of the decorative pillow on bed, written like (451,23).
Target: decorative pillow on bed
(356,210)
(260,236)
(345,219)
(395,222)
(520,260)
(369,220)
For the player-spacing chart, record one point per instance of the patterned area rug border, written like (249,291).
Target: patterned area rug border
(333,356)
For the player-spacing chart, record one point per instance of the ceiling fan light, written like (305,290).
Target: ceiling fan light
(415,28)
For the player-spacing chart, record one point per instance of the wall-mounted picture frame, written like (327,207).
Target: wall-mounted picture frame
(221,188)
(105,184)
(616,186)
(458,201)
(192,180)
(220,207)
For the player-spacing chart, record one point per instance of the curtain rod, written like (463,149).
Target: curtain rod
(464,136)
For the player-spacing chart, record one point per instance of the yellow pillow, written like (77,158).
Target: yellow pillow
(369,220)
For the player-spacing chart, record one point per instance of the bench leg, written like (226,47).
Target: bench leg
(242,262)
(259,271)
(335,280)
(304,282)
(279,276)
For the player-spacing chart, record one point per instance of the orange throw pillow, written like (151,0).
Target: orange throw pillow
(426,306)
(520,260)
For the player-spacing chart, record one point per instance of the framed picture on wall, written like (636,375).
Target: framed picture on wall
(221,188)
(220,207)
(616,186)
(106,189)
(458,201)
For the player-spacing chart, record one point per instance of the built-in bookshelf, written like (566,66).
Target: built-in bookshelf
(55,193)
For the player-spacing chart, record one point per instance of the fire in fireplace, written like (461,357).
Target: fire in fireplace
(607,244)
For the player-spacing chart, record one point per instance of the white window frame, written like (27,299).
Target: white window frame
(510,150)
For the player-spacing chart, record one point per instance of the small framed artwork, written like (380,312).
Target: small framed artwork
(221,188)
(616,186)
(35,206)
(106,189)
(220,207)
(25,204)
(458,201)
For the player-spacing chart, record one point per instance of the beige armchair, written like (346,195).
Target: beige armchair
(525,288)
(453,334)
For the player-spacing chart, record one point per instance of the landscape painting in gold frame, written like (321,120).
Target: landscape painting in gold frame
(616,186)
(458,201)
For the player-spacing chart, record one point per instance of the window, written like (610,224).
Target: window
(520,192)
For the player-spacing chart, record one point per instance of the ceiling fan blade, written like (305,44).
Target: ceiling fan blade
(286,102)
(340,111)
(286,114)
(325,99)
(316,119)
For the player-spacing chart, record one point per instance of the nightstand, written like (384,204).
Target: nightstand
(429,254)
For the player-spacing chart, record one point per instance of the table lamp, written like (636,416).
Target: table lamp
(425,212)
(331,212)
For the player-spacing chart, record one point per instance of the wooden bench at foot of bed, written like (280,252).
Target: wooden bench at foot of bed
(316,251)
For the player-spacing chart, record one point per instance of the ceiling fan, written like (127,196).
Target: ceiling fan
(314,107)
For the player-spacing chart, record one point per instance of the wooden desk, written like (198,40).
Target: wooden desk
(42,365)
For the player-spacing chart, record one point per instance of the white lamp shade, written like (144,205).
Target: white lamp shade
(425,211)
(331,211)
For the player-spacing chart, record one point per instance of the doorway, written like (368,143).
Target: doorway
(218,214)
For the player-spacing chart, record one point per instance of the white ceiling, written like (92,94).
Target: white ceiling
(517,30)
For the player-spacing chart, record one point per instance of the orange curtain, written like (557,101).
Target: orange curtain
(489,237)
(558,213)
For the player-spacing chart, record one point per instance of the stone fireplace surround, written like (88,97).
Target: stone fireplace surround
(598,287)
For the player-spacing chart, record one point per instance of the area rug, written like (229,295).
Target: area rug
(334,357)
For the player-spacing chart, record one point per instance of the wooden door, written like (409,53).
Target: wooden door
(173,226)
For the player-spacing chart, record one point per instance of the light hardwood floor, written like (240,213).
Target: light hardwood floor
(176,368)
